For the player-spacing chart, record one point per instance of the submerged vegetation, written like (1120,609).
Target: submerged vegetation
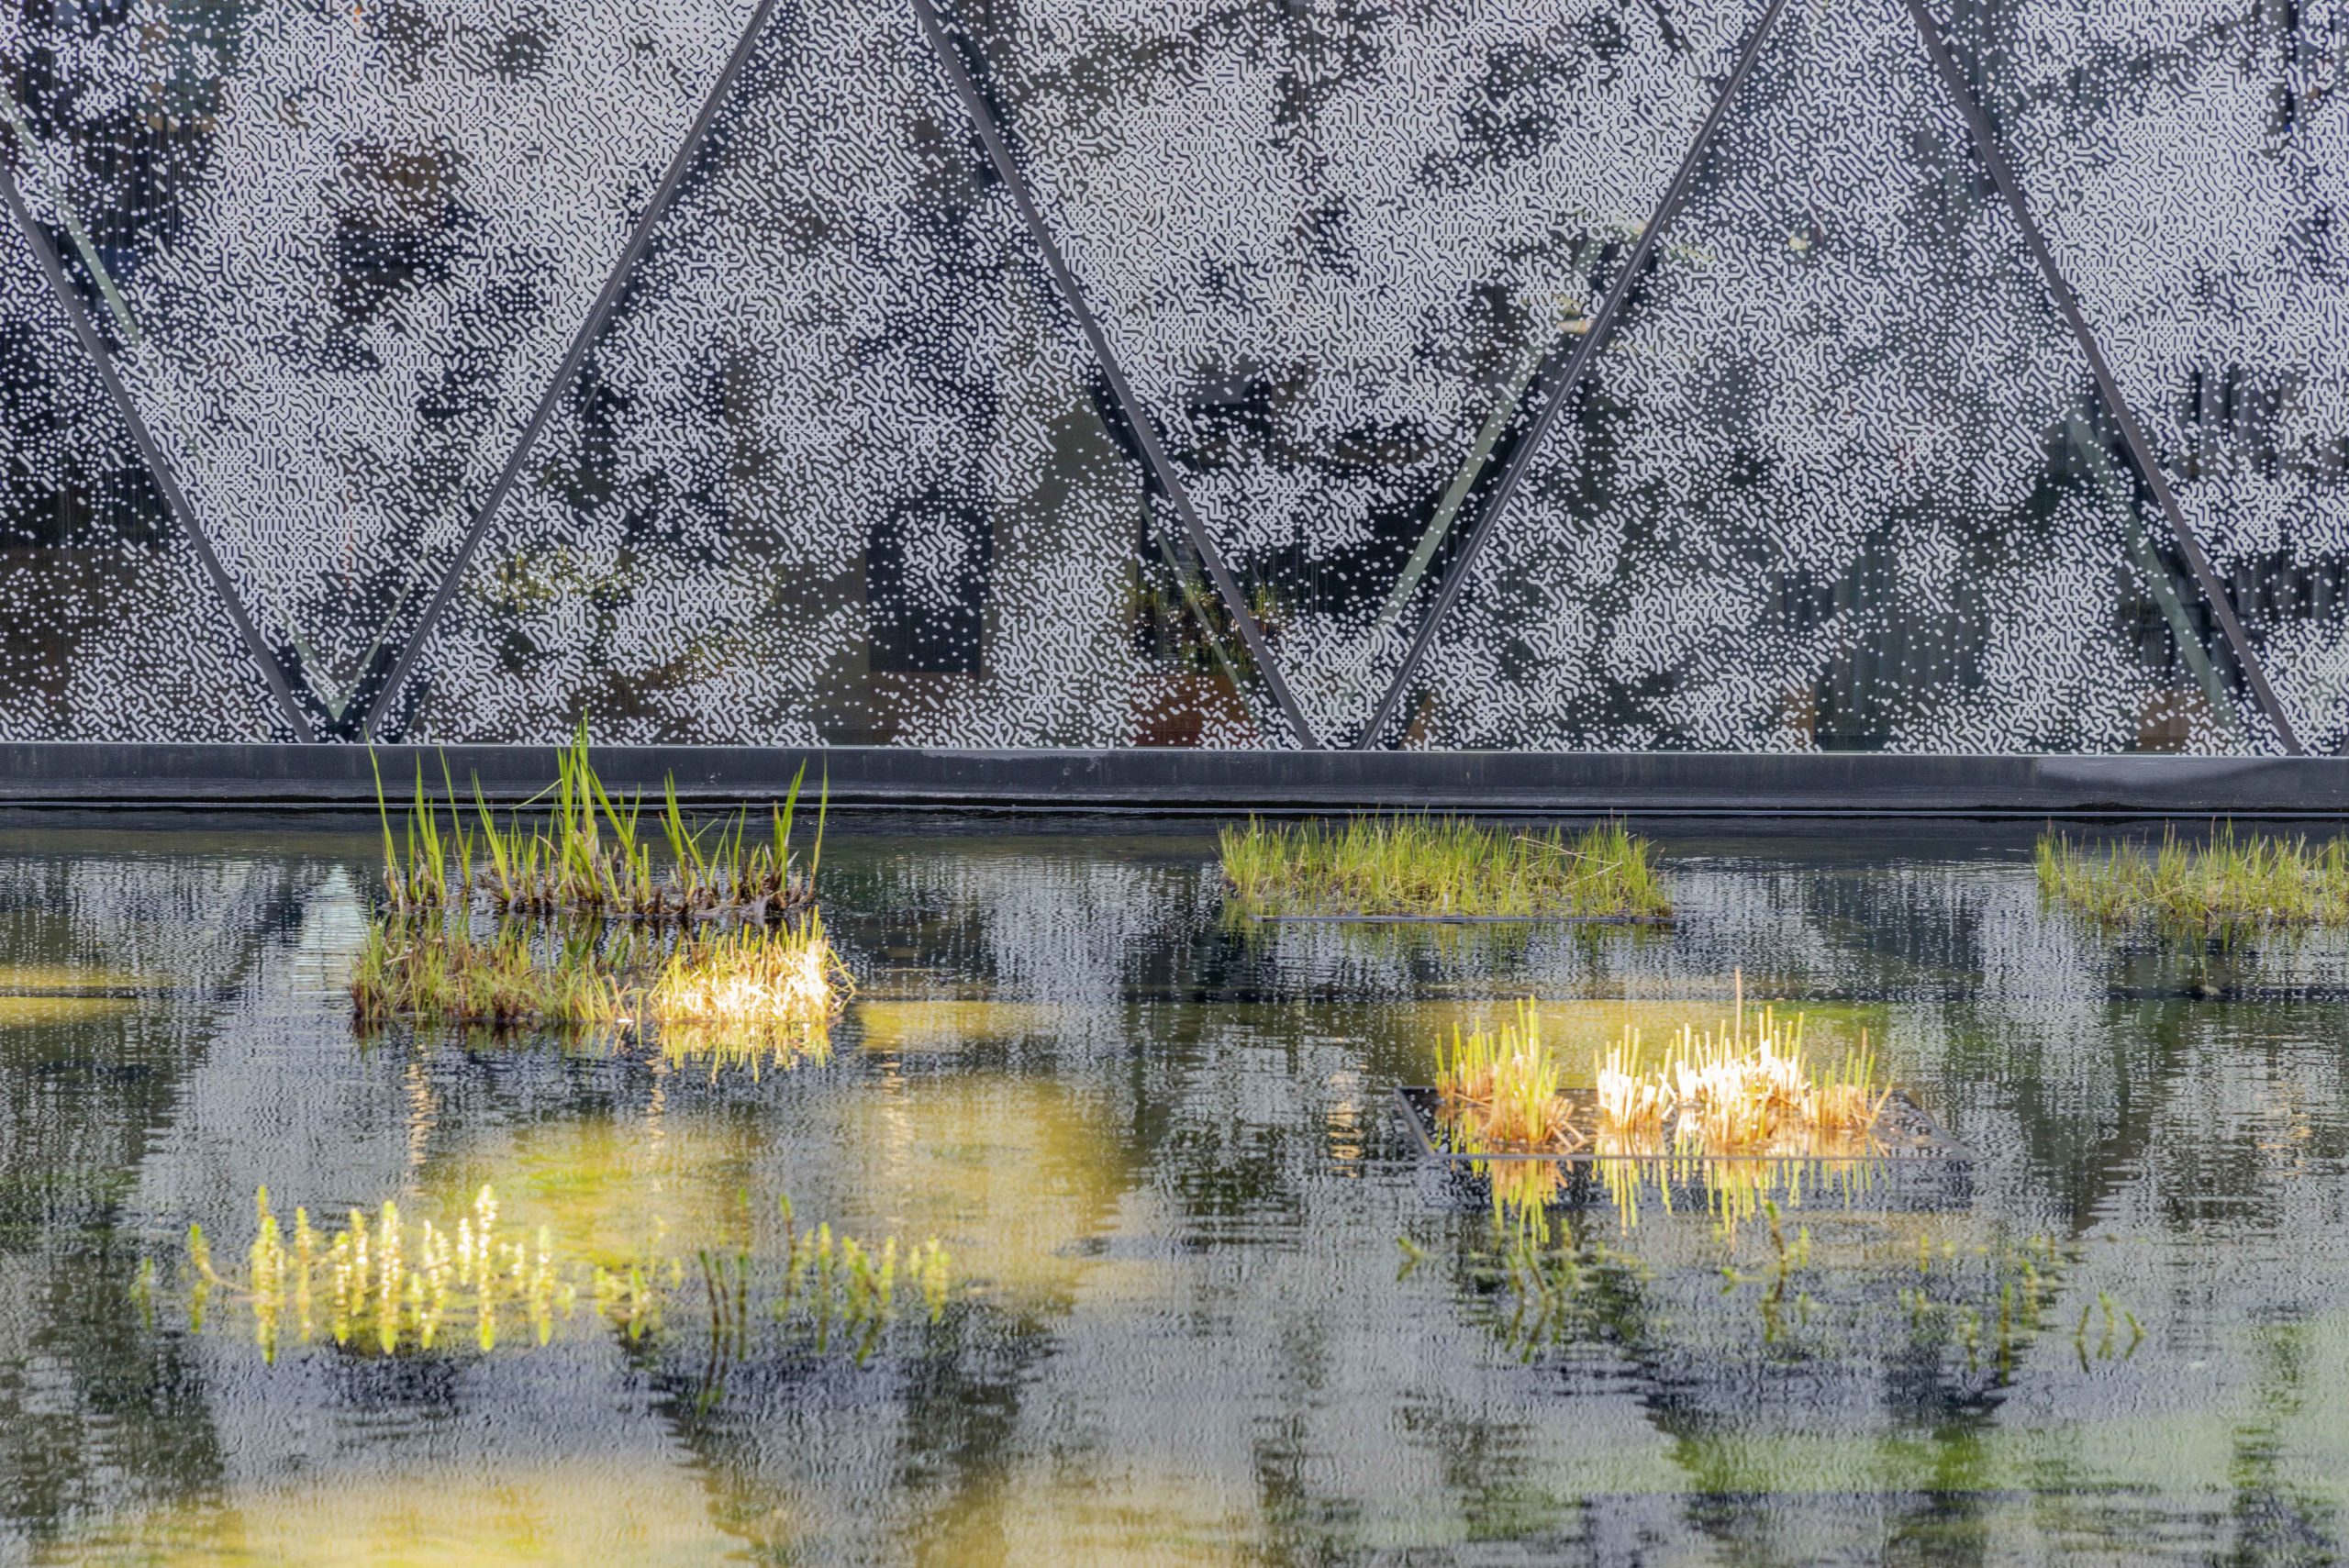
(594,857)
(2258,879)
(1433,867)
(387,1286)
(1977,1307)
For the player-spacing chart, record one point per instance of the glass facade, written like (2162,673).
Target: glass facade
(1926,375)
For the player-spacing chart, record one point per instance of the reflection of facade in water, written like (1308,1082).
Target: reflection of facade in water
(834,457)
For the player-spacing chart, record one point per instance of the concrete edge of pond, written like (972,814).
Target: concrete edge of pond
(85,775)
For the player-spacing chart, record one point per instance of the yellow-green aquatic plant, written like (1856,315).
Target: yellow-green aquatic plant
(1447,866)
(384,1284)
(1500,1089)
(2256,879)
(595,856)
(790,978)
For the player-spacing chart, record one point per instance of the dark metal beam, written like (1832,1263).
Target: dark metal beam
(159,467)
(1602,323)
(2132,435)
(616,282)
(1170,781)
(1145,431)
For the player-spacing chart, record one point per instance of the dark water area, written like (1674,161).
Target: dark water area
(1213,1305)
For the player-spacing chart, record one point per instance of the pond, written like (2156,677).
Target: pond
(1211,1303)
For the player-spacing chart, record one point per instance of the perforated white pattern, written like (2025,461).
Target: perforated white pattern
(839,465)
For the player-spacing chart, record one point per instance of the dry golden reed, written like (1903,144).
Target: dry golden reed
(1501,1088)
(1742,1109)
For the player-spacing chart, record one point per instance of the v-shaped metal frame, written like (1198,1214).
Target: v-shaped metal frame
(957,68)
(1603,322)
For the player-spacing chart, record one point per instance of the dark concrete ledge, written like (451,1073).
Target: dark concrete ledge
(38,773)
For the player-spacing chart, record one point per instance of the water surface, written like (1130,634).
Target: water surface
(1164,1154)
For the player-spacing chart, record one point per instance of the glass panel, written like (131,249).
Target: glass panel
(838,470)
(1838,482)
(2186,162)
(108,628)
(341,248)
(1333,247)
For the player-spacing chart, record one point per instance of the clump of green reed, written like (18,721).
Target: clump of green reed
(2253,880)
(1500,1088)
(595,856)
(1436,866)
(382,1284)
(734,996)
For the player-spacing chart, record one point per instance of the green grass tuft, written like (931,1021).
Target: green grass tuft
(596,856)
(1420,865)
(2255,880)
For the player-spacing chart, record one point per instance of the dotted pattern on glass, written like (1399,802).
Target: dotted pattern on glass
(2189,162)
(1334,247)
(838,470)
(340,250)
(1839,481)
(839,467)
(109,629)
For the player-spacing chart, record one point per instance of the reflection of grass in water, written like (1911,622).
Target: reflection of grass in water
(69,980)
(1735,1190)
(920,1027)
(28,1012)
(387,1286)
(1426,865)
(743,996)
(1977,1308)
(2259,879)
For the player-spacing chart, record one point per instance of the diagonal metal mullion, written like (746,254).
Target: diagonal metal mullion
(150,454)
(1006,168)
(615,284)
(2132,435)
(1602,323)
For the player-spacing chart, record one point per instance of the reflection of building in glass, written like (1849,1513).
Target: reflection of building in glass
(1044,375)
